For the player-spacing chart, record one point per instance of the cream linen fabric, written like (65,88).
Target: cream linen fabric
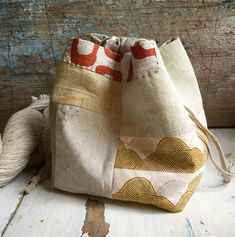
(182,74)
(118,122)
(152,107)
(84,137)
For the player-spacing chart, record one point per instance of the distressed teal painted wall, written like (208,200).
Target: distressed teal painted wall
(33,35)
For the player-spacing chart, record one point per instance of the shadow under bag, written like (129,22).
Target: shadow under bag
(127,122)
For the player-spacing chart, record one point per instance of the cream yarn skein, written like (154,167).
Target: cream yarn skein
(21,136)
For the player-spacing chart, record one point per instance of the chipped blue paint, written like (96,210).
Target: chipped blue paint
(33,57)
(27,34)
(190,228)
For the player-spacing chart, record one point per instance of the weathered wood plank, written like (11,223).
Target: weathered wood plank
(27,63)
(10,197)
(35,33)
(47,212)
(5,85)
(210,212)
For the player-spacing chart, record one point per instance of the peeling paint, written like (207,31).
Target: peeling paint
(34,35)
(94,223)
(190,228)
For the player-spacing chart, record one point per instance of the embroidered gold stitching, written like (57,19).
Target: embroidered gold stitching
(141,190)
(171,155)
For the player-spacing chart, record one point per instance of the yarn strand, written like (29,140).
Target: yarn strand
(20,138)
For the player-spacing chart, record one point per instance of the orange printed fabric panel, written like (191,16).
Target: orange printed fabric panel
(114,65)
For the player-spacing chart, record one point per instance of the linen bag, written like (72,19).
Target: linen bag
(127,122)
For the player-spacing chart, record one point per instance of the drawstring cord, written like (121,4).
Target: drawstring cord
(42,173)
(224,168)
(35,179)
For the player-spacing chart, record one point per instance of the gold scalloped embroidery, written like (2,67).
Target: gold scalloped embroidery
(126,158)
(171,155)
(141,190)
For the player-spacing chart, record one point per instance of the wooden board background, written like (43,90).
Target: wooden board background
(33,35)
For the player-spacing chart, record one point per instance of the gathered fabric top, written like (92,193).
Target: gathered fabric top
(118,58)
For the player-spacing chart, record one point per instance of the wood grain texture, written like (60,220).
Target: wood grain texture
(11,197)
(50,213)
(34,34)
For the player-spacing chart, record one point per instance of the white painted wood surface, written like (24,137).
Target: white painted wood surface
(48,213)
(10,197)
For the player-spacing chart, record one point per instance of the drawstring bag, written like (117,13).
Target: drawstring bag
(127,122)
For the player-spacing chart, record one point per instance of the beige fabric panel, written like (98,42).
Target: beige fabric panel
(86,144)
(85,123)
(152,107)
(182,74)
(89,90)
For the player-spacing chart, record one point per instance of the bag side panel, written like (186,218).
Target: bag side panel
(182,74)
(86,127)
(160,157)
